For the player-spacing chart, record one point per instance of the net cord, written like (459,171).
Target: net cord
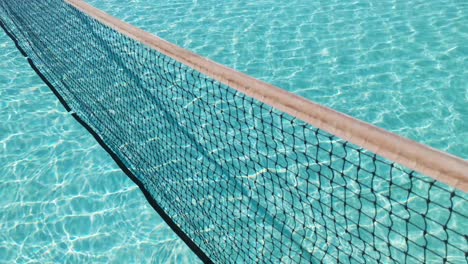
(436,164)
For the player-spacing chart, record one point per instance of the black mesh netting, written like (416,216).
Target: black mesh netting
(243,181)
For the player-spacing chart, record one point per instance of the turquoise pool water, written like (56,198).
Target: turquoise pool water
(62,198)
(94,213)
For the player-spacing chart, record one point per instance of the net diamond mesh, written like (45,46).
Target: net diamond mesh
(245,182)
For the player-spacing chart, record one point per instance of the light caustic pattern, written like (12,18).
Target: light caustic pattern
(62,198)
(244,181)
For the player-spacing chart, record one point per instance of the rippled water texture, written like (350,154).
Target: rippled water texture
(399,64)
(62,198)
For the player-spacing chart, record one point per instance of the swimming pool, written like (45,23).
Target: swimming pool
(325,52)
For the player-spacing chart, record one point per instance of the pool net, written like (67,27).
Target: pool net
(237,179)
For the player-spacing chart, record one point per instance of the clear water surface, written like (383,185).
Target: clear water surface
(62,198)
(401,65)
